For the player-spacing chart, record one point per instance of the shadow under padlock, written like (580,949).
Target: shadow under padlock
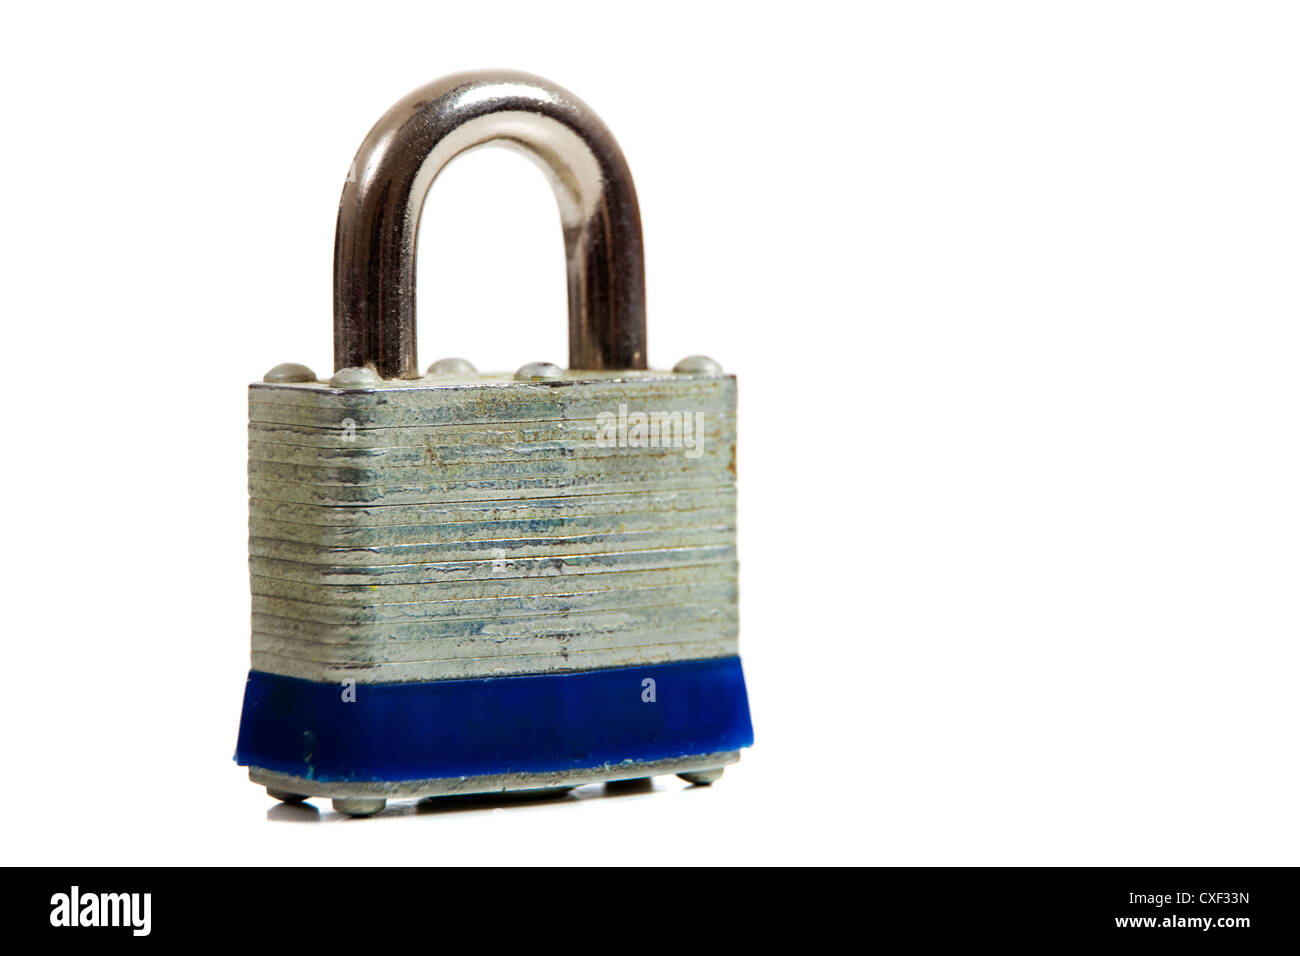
(472,583)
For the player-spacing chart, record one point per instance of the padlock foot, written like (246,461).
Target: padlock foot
(702,778)
(359,806)
(285,796)
(365,798)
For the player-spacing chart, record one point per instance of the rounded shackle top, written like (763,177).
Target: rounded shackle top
(379,216)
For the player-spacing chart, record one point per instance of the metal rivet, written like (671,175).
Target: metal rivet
(359,806)
(354,377)
(702,778)
(538,370)
(289,372)
(284,796)
(698,365)
(451,366)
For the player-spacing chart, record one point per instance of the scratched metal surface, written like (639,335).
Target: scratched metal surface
(474,527)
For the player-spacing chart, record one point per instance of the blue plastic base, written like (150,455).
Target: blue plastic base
(456,728)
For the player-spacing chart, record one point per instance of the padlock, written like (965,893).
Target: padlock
(470,583)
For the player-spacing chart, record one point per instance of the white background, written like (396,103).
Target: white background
(1011,291)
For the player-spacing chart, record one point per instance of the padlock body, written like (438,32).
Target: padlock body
(477,577)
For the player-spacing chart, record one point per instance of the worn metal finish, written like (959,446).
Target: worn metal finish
(701,764)
(379,216)
(477,527)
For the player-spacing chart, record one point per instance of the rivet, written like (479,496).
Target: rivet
(354,377)
(289,372)
(359,806)
(697,365)
(451,366)
(535,371)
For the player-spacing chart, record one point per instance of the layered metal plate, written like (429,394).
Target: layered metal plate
(478,526)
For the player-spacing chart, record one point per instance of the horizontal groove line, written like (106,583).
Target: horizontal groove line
(416,487)
(580,431)
(464,423)
(701,631)
(527,615)
(503,597)
(705,627)
(729,486)
(718,437)
(588,441)
(698,619)
(610,515)
(472,392)
(538,557)
(539,538)
(613,515)
(666,453)
(531,577)
(358,665)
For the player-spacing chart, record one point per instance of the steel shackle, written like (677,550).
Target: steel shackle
(379,216)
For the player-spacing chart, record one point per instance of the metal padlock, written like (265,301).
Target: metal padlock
(469,583)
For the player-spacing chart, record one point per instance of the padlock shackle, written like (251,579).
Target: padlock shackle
(379,216)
